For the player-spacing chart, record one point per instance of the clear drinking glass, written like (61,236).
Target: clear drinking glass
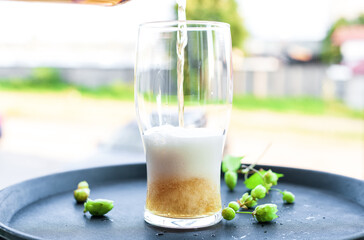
(183,135)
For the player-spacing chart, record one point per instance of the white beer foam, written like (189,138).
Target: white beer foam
(183,152)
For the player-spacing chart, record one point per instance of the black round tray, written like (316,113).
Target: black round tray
(327,206)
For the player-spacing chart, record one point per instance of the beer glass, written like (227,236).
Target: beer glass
(183,97)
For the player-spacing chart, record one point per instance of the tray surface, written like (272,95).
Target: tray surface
(45,208)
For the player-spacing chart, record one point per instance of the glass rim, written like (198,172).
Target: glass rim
(191,25)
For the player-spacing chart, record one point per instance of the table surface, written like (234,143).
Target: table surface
(45,208)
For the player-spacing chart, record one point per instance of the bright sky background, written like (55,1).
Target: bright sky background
(37,32)
(266,19)
(71,35)
(295,20)
(21,22)
(286,19)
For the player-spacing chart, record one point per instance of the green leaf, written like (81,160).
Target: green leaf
(231,163)
(279,175)
(256,179)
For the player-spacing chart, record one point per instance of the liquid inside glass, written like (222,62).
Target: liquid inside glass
(183,171)
(181,45)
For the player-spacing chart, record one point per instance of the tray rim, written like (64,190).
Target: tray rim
(6,231)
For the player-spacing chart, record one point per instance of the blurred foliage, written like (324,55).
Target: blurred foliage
(299,105)
(330,53)
(117,91)
(46,77)
(208,10)
(50,80)
(221,11)
(40,78)
(46,80)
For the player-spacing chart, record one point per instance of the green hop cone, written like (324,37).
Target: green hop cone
(288,197)
(244,197)
(228,213)
(247,201)
(98,207)
(265,212)
(251,203)
(234,205)
(259,192)
(82,184)
(231,178)
(270,177)
(81,195)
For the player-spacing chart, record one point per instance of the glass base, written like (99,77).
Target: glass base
(181,223)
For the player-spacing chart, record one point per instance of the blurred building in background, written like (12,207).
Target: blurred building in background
(284,51)
(350,74)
